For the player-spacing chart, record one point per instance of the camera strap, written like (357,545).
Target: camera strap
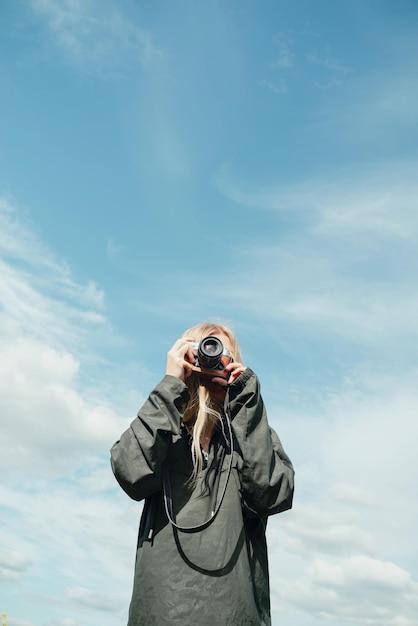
(215,507)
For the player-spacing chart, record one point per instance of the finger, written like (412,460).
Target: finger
(187,340)
(235,374)
(182,347)
(183,341)
(190,353)
(233,365)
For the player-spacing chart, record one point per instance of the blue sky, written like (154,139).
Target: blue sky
(162,163)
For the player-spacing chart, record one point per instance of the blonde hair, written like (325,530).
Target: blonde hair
(201,410)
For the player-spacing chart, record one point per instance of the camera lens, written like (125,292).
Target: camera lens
(211,346)
(210,352)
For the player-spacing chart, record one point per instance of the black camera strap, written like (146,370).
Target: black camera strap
(215,507)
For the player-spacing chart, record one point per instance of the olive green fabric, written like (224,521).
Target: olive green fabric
(218,575)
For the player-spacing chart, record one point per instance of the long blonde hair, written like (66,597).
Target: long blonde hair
(201,411)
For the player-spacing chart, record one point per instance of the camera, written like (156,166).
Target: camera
(211,354)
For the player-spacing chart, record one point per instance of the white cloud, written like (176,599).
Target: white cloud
(313,530)
(363,590)
(358,590)
(374,418)
(294,64)
(377,109)
(51,422)
(94,599)
(350,494)
(74,533)
(349,260)
(286,58)
(57,492)
(339,589)
(49,425)
(329,63)
(14,621)
(346,553)
(15,561)
(280,87)
(8,575)
(377,201)
(20,243)
(334,72)
(360,569)
(97,36)
(39,295)
(56,428)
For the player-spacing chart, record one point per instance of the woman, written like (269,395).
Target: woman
(211,470)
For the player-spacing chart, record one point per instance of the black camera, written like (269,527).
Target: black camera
(211,354)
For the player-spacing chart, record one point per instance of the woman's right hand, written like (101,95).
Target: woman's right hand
(180,358)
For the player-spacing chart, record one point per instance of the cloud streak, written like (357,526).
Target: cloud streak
(349,260)
(50,422)
(348,546)
(98,37)
(57,427)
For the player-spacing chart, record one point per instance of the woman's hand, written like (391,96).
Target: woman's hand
(231,373)
(217,385)
(234,370)
(180,359)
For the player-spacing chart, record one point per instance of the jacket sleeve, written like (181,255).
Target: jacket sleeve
(266,472)
(138,456)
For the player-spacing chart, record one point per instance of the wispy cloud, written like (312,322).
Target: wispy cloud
(47,319)
(358,590)
(347,262)
(102,601)
(286,58)
(345,541)
(329,64)
(72,540)
(15,621)
(293,64)
(322,531)
(334,72)
(13,560)
(39,294)
(280,87)
(281,67)
(56,430)
(380,200)
(97,36)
